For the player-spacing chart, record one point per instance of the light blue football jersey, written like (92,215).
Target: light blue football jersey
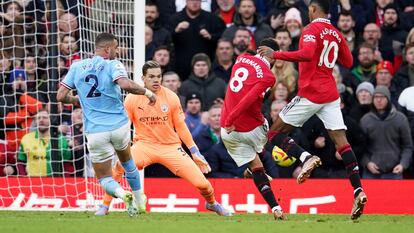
(99,95)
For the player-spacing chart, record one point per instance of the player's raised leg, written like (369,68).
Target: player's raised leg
(298,111)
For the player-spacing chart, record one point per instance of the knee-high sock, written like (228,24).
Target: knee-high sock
(111,187)
(263,185)
(351,166)
(117,173)
(288,145)
(132,175)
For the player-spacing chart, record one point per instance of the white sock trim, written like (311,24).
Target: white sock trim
(303,156)
(138,197)
(120,192)
(278,207)
(357,189)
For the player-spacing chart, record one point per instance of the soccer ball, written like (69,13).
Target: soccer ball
(281,158)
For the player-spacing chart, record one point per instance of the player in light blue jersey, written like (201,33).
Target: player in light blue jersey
(98,82)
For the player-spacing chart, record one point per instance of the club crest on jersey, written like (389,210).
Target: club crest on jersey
(309,38)
(164,108)
(119,66)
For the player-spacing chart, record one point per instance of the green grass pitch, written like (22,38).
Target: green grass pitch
(119,222)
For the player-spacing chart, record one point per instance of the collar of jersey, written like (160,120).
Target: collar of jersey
(263,59)
(322,20)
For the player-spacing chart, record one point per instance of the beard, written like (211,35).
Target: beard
(241,47)
(346,31)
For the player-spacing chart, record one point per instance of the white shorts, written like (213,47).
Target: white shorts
(102,145)
(300,109)
(243,146)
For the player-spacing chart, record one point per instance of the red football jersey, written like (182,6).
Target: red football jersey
(321,45)
(250,78)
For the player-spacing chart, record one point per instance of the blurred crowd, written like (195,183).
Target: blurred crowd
(196,43)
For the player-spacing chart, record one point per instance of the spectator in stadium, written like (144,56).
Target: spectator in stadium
(18,110)
(226,10)
(162,55)
(406,72)
(377,16)
(69,49)
(77,143)
(279,9)
(201,80)
(161,36)
(7,160)
(410,37)
(393,35)
(210,133)
(390,145)
(346,24)
(12,37)
(285,72)
(364,94)
(150,45)
(241,41)
(194,118)
(359,9)
(283,39)
(171,81)
(282,91)
(405,75)
(293,23)
(365,68)
(372,36)
(246,16)
(68,24)
(346,93)
(275,108)
(224,62)
(205,5)
(384,77)
(194,31)
(35,80)
(35,158)
(126,56)
(5,68)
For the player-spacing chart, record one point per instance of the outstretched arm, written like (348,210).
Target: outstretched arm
(132,87)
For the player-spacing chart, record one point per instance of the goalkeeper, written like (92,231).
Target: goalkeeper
(159,130)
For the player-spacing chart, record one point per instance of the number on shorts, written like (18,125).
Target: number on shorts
(324,58)
(240,75)
(93,92)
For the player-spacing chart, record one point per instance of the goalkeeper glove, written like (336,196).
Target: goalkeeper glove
(200,160)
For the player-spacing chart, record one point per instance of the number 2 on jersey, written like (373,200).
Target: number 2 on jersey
(240,75)
(92,92)
(324,58)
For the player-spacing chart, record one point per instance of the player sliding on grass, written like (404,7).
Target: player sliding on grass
(159,130)
(244,127)
(320,46)
(98,81)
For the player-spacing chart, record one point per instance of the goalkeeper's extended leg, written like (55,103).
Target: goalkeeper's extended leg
(184,167)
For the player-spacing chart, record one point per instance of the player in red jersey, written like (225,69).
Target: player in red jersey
(321,46)
(244,128)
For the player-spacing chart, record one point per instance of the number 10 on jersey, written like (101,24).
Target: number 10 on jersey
(324,58)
